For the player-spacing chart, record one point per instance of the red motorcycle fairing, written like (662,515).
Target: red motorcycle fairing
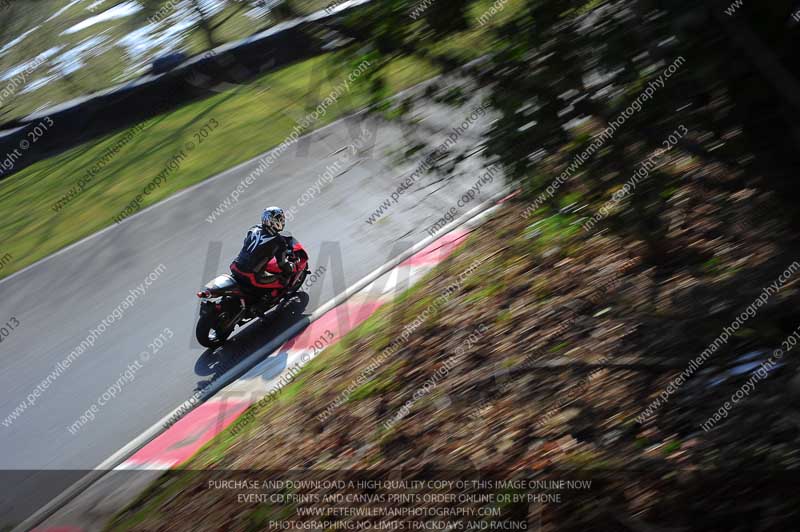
(219,317)
(299,266)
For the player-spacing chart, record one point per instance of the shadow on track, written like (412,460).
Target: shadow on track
(214,363)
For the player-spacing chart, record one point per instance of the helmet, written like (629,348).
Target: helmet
(273,219)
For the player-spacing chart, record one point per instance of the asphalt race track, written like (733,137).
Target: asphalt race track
(58,301)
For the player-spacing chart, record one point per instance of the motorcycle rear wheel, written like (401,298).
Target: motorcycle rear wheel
(205,324)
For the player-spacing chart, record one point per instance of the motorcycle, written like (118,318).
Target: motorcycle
(225,305)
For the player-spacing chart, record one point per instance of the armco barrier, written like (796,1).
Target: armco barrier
(105,112)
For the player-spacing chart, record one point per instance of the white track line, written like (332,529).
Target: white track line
(203,183)
(474,216)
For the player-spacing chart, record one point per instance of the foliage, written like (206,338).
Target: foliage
(557,72)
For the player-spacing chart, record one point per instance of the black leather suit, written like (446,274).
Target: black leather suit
(258,248)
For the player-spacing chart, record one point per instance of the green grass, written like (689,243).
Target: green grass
(504,316)
(553,230)
(211,453)
(671,447)
(253,118)
(250,122)
(209,456)
(375,386)
(561,346)
(484,293)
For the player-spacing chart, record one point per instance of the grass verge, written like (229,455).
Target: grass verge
(246,122)
(543,292)
(252,118)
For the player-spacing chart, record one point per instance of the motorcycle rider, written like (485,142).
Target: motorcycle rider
(262,243)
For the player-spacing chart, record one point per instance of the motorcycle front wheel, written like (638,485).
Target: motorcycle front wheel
(299,283)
